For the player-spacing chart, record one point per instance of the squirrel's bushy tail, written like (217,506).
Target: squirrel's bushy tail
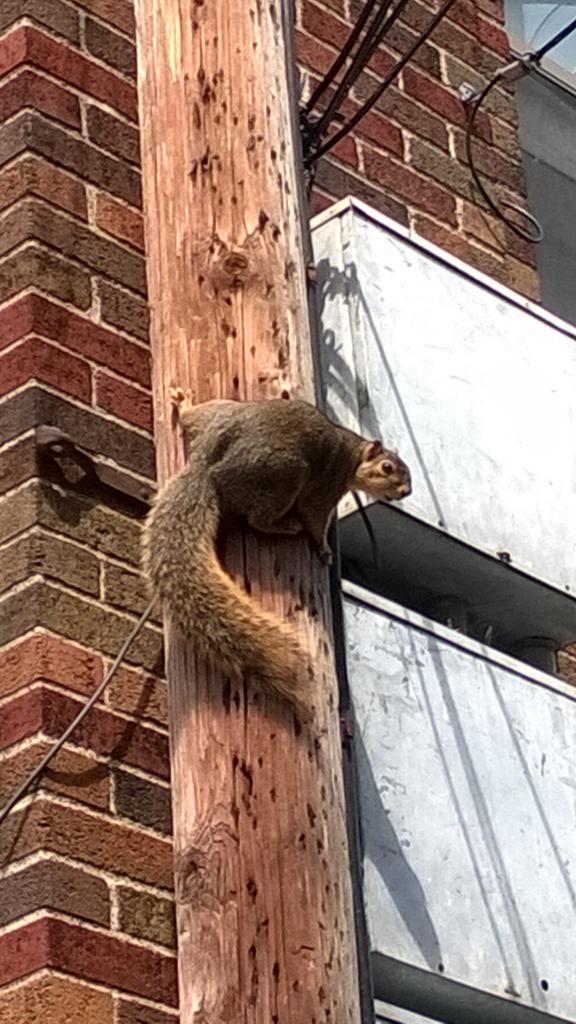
(203,602)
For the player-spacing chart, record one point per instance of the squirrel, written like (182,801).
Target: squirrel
(281,467)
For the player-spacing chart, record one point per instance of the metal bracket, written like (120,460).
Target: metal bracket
(56,443)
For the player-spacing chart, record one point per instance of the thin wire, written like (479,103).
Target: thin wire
(37,771)
(560,36)
(342,56)
(369,528)
(331,142)
(535,233)
(371,40)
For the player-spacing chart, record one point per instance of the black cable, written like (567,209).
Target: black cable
(369,528)
(59,743)
(342,56)
(560,36)
(535,234)
(368,45)
(348,127)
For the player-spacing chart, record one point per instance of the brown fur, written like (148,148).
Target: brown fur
(281,467)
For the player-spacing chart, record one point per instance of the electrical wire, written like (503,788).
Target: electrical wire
(534,233)
(342,56)
(389,78)
(59,743)
(560,36)
(372,40)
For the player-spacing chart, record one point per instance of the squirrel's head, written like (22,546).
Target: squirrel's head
(382,474)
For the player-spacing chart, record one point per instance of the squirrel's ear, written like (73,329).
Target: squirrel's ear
(373,450)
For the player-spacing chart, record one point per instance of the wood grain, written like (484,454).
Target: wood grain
(265,920)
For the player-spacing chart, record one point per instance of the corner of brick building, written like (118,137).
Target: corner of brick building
(86,922)
(407,157)
(86,915)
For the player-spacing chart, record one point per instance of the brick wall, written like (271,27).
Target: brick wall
(407,157)
(86,923)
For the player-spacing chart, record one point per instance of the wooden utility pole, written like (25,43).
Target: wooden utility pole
(264,903)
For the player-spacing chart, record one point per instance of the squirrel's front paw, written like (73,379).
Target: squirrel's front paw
(182,400)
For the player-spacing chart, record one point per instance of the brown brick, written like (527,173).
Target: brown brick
(35,359)
(32,219)
(52,14)
(41,657)
(111,48)
(125,589)
(109,132)
(135,1013)
(379,130)
(81,517)
(119,220)
(28,45)
(499,102)
(29,89)
(433,95)
(32,406)
(338,183)
(51,557)
(491,163)
(142,801)
(35,314)
(51,885)
(18,512)
(123,400)
(18,463)
(458,245)
(138,694)
(94,839)
(40,604)
(36,177)
(147,917)
(117,12)
(53,999)
(399,107)
(106,734)
(451,38)
(70,773)
(35,266)
(492,232)
(410,186)
(32,132)
(124,310)
(94,956)
(442,167)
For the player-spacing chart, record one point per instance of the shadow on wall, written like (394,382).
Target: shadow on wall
(349,384)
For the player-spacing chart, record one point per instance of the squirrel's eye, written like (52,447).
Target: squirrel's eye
(387,468)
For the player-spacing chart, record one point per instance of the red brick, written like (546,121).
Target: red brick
(51,659)
(32,176)
(337,182)
(119,220)
(29,89)
(346,151)
(18,463)
(92,955)
(33,313)
(399,107)
(24,951)
(451,38)
(35,359)
(52,999)
(140,694)
(94,839)
(101,731)
(123,400)
(433,95)
(412,187)
(29,45)
(381,132)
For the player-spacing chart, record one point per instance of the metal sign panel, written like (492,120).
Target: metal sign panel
(467,788)
(475,388)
